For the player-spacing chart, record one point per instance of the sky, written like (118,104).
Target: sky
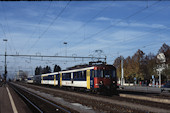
(115,27)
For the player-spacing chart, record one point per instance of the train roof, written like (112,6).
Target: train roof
(82,67)
(85,66)
(50,74)
(79,68)
(91,64)
(30,76)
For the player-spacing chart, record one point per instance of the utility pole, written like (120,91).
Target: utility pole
(5,71)
(122,73)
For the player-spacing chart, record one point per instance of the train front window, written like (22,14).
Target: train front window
(108,73)
(114,74)
(105,73)
(99,73)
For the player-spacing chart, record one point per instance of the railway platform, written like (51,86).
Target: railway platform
(10,102)
(145,89)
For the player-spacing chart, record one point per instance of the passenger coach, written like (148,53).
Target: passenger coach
(50,79)
(30,79)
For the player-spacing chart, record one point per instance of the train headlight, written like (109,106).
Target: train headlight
(114,82)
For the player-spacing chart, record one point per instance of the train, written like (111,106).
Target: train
(94,78)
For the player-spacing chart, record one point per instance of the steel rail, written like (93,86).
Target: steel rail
(59,107)
(37,108)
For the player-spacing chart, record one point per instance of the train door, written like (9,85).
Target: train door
(60,80)
(54,80)
(72,78)
(88,78)
(92,78)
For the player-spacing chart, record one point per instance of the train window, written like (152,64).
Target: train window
(63,75)
(51,77)
(107,76)
(95,73)
(98,73)
(114,73)
(80,75)
(30,78)
(102,73)
(66,75)
(75,75)
(57,76)
(45,78)
(84,74)
(109,73)
(69,75)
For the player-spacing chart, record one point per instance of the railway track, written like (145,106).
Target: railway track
(38,104)
(105,103)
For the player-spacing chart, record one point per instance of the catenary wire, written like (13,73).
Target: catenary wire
(6,21)
(143,34)
(88,21)
(40,36)
(37,25)
(110,26)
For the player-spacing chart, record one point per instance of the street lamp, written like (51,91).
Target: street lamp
(5,73)
(5,40)
(65,43)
